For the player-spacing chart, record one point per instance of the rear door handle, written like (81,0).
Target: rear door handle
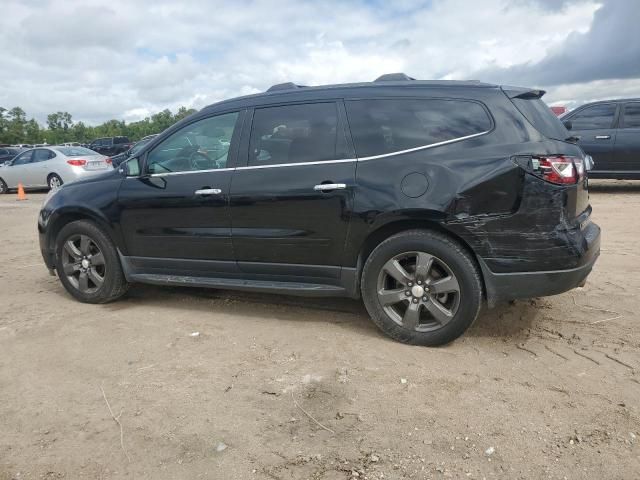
(603,137)
(208,191)
(323,187)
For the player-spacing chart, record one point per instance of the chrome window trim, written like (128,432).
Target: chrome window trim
(423,147)
(252,167)
(297,164)
(185,172)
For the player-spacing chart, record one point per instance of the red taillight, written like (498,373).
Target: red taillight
(108,160)
(77,162)
(559,169)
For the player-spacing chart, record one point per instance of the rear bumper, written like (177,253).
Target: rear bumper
(511,286)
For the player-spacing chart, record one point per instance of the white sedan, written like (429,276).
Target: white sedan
(51,167)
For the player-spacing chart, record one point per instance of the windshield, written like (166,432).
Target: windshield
(76,151)
(541,117)
(138,146)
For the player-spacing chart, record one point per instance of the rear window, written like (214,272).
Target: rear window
(75,151)
(385,126)
(541,117)
(119,140)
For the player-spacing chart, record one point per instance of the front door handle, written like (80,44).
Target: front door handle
(208,191)
(323,187)
(603,137)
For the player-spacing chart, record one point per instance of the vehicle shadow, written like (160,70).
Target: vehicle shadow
(614,186)
(507,320)
(346,312)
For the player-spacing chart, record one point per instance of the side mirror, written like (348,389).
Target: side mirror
(567,124)
(130,167)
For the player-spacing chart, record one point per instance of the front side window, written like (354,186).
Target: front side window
(202,145)
(23,158)
(385,126)
(294,134)
(594,117)
(632,115)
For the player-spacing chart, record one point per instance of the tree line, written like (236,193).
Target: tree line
(15,128)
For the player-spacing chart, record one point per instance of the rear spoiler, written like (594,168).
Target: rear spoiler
(524,93)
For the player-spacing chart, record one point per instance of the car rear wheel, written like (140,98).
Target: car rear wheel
(421,287)
(3,187)
(54,181)
(87,263)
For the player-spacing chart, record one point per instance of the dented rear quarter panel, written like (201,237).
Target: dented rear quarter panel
(511,219)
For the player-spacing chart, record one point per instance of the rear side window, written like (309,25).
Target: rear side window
(41,155)
(294,134)
(632,115)
(385,126)
(541,117)
(594,117)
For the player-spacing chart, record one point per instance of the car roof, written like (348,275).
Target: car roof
(613,100)
(379,87)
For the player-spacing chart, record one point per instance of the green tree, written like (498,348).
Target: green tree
(16,128)
(16,123)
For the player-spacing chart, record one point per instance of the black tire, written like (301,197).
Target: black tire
(112,285)
(54,181)
(3,187)
(447,260)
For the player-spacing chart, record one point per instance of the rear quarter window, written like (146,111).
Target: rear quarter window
(385,126)
(541,117)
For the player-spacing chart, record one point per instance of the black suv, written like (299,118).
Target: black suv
(609,131)
(110,145)
(421,197)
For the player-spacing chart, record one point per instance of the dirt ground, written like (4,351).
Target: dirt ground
(287,388)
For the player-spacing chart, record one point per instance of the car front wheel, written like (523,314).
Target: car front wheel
(421,287)
(87,263)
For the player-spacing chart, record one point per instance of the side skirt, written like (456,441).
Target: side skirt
(225,275)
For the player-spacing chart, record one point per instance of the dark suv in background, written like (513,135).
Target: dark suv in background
(609,131)
(421,197)
(111,146)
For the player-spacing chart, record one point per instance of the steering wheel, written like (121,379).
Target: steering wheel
(199,160)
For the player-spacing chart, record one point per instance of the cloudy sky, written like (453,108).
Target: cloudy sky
(125,59)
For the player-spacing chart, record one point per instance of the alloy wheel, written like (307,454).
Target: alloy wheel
(54,182)
(83,263)
(418,291)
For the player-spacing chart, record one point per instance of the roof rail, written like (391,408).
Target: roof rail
(283,86)
(394,77)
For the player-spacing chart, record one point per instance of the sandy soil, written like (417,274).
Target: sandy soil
(550,386)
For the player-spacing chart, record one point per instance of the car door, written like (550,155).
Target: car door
(594,126)
(177,208)
(41,161)
(627,146)
(20,171)
(291,201)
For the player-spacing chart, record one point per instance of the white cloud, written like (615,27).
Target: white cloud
(102,59)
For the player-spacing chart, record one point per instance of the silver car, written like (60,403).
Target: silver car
(51,167)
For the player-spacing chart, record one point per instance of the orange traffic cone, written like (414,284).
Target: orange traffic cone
(21,194)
